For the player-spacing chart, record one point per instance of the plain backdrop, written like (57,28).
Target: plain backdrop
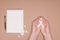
(50,9)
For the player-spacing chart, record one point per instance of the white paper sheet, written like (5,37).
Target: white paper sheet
(15,21)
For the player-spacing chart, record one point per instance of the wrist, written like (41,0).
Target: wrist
(47,36)
(33,36)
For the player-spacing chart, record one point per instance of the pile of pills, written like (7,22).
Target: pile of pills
(41,23)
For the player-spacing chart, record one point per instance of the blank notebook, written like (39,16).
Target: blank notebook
(15,21)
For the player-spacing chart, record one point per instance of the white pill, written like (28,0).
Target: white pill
(26,31)
(22,34)
(18,36)
(25,26)
(41,23)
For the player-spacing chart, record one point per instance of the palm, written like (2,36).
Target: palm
(36,29)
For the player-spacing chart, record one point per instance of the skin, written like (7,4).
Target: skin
(36,30)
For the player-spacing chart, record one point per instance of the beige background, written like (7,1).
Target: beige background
(32,8)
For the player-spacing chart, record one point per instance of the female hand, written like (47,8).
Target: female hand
(35,29)
(45,28)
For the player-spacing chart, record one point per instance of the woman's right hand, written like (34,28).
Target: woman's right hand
(45,29)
